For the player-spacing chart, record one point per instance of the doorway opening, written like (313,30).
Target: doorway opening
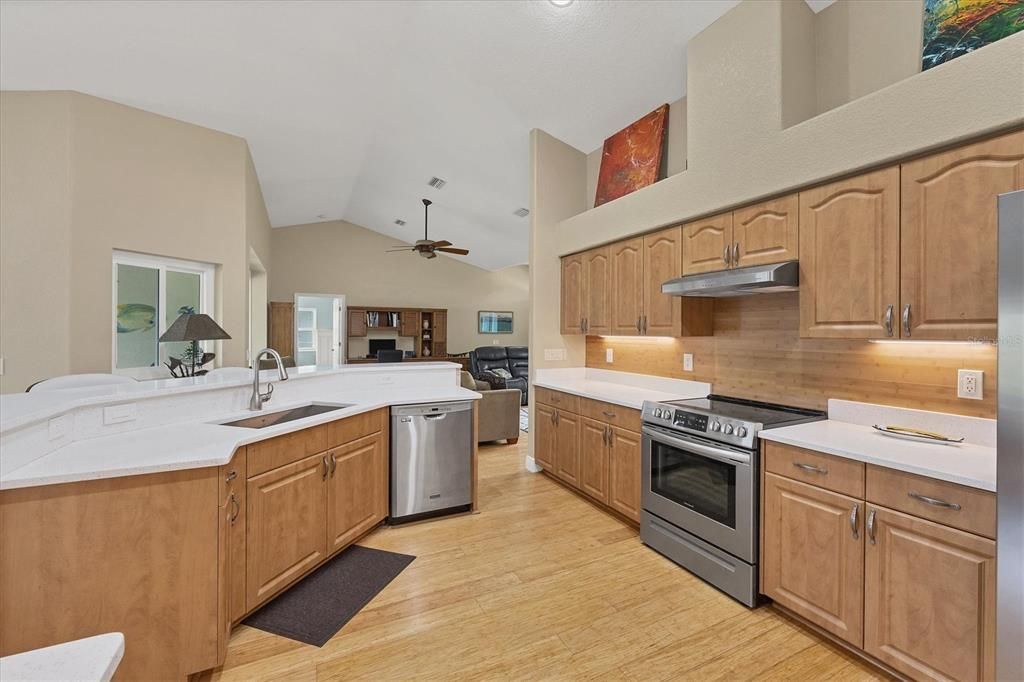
(319,330)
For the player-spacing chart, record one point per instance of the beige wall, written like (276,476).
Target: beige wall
(35,238)
(338,257)
(138,182)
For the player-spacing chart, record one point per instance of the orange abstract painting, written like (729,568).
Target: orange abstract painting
(632,158)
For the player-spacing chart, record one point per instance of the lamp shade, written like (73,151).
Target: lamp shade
(194,327)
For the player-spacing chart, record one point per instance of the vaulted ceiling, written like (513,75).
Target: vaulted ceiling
(351,107)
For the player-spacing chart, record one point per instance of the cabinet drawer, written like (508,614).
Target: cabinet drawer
(837,474)
(953,505)
(563,401)
(355,427)
(616,415)
(291,447)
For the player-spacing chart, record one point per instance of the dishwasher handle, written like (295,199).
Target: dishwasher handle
(435,416)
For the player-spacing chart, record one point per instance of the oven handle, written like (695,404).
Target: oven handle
(726,456)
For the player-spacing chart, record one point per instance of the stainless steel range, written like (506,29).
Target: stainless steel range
(700,485)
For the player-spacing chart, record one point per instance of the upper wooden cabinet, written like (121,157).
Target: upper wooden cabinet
(572,294)
(627,288)
(356,323)
(409,323)
(707,244)
(948,238)
(849,257)
(662,314)
(765,233)
(596,291)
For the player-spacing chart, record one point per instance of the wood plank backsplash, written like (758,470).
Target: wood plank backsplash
(757,353)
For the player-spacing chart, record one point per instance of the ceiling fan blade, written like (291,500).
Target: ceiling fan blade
(443,242)
(459,252)
(404,248)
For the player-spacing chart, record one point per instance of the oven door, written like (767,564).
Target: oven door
(702,487)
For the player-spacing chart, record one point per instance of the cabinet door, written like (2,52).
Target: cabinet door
(233,481)
(594,458)
(410,323)
(850,258)
(440,328)
(948,238)
(544,432)
(627,288)
(766,233)
(624,473)
(704,244)
(572,294)
(663,252)
(930,598)
(812,555)
(596,291)
(286,533)
(281,335)
(567,447)
(356,323)
(355,486)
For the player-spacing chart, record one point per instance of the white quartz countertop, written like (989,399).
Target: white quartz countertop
(207,443)
(619,388)
(93,659)
(967,464)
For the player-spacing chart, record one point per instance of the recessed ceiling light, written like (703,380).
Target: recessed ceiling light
(399,222)
(561,3)
(436,182)
(521,212)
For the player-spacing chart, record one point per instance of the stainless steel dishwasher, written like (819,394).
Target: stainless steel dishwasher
(431,460)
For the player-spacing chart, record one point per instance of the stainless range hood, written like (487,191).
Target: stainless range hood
(755,279)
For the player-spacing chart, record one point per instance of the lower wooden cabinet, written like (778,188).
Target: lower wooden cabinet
(592,455)
(355,490)
(930,598)
(233,512)
(813,555)
(286,526)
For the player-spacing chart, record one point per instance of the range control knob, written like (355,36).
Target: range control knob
(716,426)
(728,429)
(742,432)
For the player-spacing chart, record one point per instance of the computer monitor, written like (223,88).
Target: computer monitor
(380,344)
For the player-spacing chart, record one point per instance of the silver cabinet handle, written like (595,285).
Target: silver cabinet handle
(232,475)
(645,324)
(557,417)
(906,319)
(871,526)
(638,324)
(334,463)
(934,501)
(736,253)
(610,415)
(327,467)
(888,320)
(604,435)
(236,508)
(725,254)
(854,525)
(581,323)
(810,467)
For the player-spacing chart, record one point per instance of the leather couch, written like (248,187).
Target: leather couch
(497,411)
(515,360)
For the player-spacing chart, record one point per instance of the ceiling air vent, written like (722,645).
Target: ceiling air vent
(437,183)
(521,212)
(399,222)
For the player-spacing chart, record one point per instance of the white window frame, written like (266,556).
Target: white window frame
(300,348)
(206,272)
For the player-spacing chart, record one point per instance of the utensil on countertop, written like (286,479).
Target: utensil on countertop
(917,434)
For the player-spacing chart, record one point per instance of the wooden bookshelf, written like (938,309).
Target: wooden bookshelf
(427,326)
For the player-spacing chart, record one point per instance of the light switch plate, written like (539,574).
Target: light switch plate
(970,384)
(118,414)
(609,355)
(687,362)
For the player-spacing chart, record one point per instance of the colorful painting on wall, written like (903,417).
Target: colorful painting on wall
(633,158)
(952,28)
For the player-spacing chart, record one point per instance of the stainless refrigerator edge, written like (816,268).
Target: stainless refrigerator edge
(1010,463)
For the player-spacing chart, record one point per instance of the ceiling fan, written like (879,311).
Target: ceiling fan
(427,248)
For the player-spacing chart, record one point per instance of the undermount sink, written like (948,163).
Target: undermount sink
(262,421)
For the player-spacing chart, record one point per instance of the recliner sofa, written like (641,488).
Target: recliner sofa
(515,360)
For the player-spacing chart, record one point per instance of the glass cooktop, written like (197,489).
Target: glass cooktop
(767,414)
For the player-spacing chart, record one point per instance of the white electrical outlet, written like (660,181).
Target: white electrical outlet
(687,362)
(609,355)
(970,384)
(554,354)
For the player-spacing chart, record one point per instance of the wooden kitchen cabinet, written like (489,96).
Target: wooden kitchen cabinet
(812,555)
(572,294)
(627,292)
(233,510)
(930,598)
(705,242)
(356,323)
(409,323)
(766,233)
(624,472)
(662,314)
(594,458)
(567,447)
(286,526)
(850,257)
(281,327)
(948,238)
(544,434)
(596,291)
(355,488)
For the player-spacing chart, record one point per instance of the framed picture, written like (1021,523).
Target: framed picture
(634,157)
(952,28)
(494,322)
